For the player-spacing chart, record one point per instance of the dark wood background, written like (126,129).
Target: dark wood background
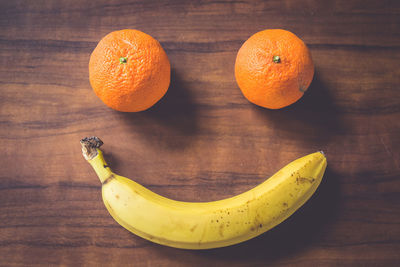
(203,141)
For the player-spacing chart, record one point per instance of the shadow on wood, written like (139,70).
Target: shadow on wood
(313,119)
(172,122)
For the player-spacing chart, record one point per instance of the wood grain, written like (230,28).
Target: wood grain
(203,141)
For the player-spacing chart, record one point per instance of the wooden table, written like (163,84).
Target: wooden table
(203,141)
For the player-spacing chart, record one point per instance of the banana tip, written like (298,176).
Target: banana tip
(89,147)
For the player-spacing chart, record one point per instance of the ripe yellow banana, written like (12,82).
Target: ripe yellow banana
(203,225)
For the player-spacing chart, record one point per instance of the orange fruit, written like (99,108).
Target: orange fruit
(129,70)
(274,68)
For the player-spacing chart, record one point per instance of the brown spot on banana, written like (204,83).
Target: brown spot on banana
(221,230)
(202,235)
(108,179)
(302,180)
(193,228)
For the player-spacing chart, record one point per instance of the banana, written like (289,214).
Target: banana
(204,225)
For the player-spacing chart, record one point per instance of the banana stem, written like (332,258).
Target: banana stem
(92,153)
